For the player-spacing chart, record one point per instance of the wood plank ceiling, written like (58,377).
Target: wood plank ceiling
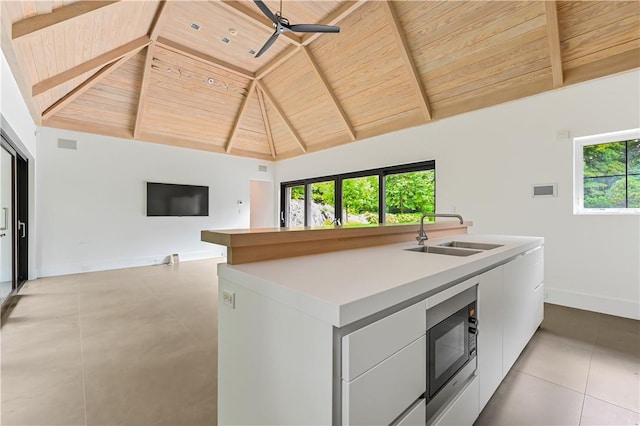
(139,69)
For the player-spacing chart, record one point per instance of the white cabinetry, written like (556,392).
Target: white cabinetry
(384,368)
(372,344)
(280,341)
(489,339)
(463,410)
(522,294)
(417,416)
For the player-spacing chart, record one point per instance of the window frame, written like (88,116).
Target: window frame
(578,170)
(381,172)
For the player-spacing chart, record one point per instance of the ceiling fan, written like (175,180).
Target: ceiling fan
(282,25)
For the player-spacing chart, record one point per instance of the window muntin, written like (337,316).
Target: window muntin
(607,173)
(359,198)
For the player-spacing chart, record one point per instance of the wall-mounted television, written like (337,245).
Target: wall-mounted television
(166,199)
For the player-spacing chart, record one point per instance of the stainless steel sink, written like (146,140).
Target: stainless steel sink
(470,245)
(449,251)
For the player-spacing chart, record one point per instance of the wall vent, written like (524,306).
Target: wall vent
(545,190)
(67,144)
(262,168)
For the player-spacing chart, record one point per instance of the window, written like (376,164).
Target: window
(408,195)
(323,203)
(396,194)
(360,200)
(607,173)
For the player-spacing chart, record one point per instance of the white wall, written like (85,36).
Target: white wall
(486,162)
(19,125)
(91,202)
(14,109)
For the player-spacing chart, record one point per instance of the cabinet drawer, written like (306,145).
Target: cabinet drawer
(364,348)
(463,410)
(384,392)
(416,417)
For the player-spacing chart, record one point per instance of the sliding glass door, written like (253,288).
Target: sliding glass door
(7,258)
(13,219)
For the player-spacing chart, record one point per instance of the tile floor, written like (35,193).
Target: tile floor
(580,367)
(128,347)
(139,347)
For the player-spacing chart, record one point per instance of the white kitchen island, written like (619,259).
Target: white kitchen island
(338,338)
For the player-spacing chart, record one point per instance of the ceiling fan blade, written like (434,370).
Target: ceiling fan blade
(314,28)
(263,7)
(268,44)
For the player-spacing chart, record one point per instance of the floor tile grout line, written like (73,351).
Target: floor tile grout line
(175,317)
(611,403)
(584,399)
(549,381)
(84,386)
(586,385)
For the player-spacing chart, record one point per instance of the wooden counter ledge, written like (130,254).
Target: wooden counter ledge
(255,245)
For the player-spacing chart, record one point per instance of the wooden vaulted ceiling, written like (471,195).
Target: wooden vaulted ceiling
(137,69)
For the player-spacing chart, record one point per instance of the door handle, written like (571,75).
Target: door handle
(5,211)
(21,229)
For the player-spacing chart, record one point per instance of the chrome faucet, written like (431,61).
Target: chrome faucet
(422,235)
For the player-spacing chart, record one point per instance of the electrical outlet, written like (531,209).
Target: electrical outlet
(229,298)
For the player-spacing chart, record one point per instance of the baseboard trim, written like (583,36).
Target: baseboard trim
(594,302)
(107,265)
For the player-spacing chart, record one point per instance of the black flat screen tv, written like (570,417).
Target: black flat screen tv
(165,199)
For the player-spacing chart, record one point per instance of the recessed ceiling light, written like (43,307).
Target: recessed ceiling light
(225,40)
(194,26)
(233,31)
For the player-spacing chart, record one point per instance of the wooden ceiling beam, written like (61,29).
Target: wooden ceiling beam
(16,64)
(346,9)
(553,36)
(202,57)
(342,12)
(86,85)
(276,62)
(36,23)
(329,92)
(241,113)
(405,51)
(265,120)
(282,116)
(158,21)
(154,30)
(137,127)
(97,62)
(257,18)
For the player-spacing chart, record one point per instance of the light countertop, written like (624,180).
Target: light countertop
(345,286)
